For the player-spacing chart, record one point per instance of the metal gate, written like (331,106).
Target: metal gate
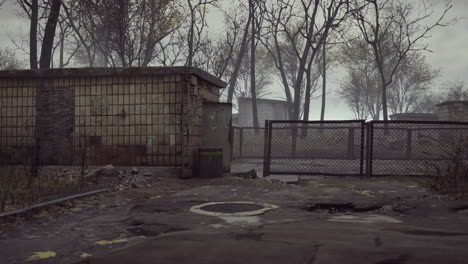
(314,147)
(406,147)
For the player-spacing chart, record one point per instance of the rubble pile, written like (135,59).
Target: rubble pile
(121,179)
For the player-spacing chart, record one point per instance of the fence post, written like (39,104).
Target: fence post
(350,143)
(363,145)
(241,141)
(294,141)
(267,147)
(409,147)
(370,146)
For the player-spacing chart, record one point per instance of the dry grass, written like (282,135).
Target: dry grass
(451,175)
(19,188)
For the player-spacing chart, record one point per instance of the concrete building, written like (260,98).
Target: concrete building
(123,116)
(415,116)
(453,111)
(268,109)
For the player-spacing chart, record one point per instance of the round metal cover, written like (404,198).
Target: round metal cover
(232,208)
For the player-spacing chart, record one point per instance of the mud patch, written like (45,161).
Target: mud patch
(137,231)
(154,230)
(136,222)
(365,219)
(402,259)
(249,236)
(425,232)
(241,220)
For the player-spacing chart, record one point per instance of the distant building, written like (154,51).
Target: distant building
(414,116)
(453,111)
(267,109)
(445,111)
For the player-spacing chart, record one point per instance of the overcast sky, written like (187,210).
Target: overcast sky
(449,46)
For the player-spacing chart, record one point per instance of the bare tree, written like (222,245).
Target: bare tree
(43,19)
(9,61)
(304,26)
(31,8)
(413,80)
(253,7)
(197,11)
(123,32)
(404,24)
(49,34)
(360,88)
(238,60)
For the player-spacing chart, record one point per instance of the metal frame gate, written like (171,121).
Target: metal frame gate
(405,147)
(342,147)
(314,147)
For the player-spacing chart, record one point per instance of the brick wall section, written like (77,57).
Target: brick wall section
(146,116)
(54,121)
(196,92)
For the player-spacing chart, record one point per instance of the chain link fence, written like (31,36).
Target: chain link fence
(406,147)
(248,142)
(359,148)
(326,148)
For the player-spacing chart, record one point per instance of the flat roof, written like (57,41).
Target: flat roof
(108,71)
(453,102)
(264,100)
(414,114)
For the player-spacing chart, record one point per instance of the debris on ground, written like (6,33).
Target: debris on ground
(251,174)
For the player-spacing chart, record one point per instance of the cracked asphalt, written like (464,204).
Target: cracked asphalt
(387,220)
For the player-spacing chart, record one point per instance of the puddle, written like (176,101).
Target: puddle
(425,232)
(366,219)
(461,209)
(340,208)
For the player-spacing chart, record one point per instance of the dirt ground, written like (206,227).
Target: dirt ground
(320,220)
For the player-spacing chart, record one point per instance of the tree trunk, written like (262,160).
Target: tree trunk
(324,82)
(33,34)
(62,47)
(237,66)
(384,102)
(308,72)
(298,84)
(49,34)
(307,95)
(252,69)
(190,35)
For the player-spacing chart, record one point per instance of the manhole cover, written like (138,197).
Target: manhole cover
(232,208)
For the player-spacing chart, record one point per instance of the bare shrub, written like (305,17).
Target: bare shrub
(450,175)
(18,188)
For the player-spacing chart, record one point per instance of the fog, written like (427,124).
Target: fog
(448,52)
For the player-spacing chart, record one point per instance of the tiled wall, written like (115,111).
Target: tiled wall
(152,120)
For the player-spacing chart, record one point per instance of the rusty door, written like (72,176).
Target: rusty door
(217,123)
